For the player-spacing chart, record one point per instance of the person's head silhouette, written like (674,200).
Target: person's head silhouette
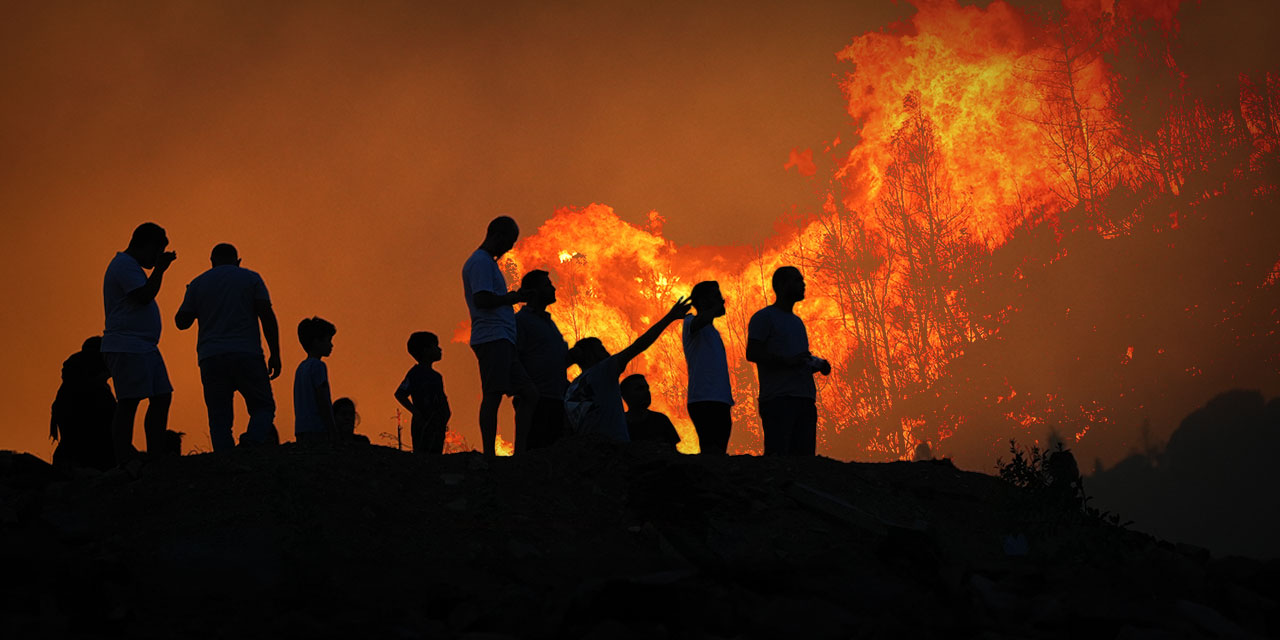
(706,298)
(147,243)
(345,417)
(501,235)
(542,291)
(588,352)
(316,335)
(424,346)
(635,390)
(788,284)
(223,254)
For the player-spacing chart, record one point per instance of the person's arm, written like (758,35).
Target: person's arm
(325,406)
(402,396)
(146,293)
(271,332)
(491,300)
(186,315)
(646,339)
(758,353)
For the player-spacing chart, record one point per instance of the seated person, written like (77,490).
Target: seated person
(345,420)
(82,411)
(644,424)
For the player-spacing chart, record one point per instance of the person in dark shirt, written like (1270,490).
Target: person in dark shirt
(545,356)
(644,424)
(422,393)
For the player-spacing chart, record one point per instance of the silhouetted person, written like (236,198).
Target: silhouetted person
(230,301)
(422,394)
(594,399)
(643,423)
(80,418)
(130,343)
(493,332)
(779,345)
(545,356)
(312,404)
(710,395)
(345,420)
(923,452)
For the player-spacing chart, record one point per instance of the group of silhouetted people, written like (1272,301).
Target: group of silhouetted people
(522,355)
(525,356)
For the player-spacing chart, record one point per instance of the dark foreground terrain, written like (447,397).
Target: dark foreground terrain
(587,540)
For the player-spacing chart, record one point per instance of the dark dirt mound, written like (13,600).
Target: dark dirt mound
(586,540)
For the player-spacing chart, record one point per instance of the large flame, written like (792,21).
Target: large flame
(974,127)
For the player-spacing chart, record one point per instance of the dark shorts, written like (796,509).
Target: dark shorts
(138,375)
(500,368)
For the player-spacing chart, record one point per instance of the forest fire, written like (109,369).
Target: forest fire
(987,262)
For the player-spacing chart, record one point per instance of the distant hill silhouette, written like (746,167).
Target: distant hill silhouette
(1215,484)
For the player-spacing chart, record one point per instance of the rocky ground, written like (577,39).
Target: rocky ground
(587,540)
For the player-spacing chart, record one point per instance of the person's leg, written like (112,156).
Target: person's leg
(774,423)
(254,385)
(219,398)
(525,394)
(122,428)
(417,440)
(721,424)
(156,421)
(489,403)
(712,421)
(804,429)
(490,356)
(435,439)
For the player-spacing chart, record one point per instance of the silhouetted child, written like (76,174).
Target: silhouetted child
(593,402)
(422,394)
(643,423)
(80,418)
(345,420)
(312,407)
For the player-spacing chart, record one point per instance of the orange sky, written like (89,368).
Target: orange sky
(354,154)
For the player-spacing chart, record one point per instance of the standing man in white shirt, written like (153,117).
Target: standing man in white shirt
(130,342)
(710,398)
(493,333)
(230,301)
(779,345)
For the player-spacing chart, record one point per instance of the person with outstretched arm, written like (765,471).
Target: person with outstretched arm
(594,400)
(778,344)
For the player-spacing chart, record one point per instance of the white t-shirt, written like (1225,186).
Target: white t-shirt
(224,301)
(310,376)
(784,335)
(481,273)
(708,364)
(130,328)
(604,390)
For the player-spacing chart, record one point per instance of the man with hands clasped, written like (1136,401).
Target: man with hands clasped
(779,345)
